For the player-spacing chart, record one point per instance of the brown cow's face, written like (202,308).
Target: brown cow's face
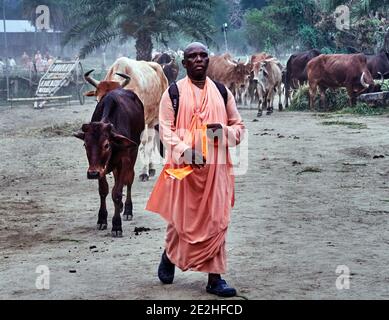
(242,73)
(102,89)
(260,72)
(99,140)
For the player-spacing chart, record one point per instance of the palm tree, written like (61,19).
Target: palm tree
(101,21)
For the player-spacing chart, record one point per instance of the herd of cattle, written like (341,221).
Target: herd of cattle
(128,105)
(261,77)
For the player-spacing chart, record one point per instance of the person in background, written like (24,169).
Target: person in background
(2,65)
(25,59)
(11,63)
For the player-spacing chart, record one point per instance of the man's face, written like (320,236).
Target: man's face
(196,62)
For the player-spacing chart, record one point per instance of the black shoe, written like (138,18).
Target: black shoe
(166,270)
(221,288)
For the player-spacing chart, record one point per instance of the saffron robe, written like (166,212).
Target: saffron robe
(198,207)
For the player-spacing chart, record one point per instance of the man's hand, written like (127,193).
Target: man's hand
(193,158)
(215,130)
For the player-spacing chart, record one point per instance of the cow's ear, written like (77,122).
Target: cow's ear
(85,127)
(90,93)
(79,135)
(122,141)
(265,72)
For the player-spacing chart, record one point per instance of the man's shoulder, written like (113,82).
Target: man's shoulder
(179,84)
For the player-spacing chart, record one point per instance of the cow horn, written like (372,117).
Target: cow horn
(364,84)
(247,61)
(126,81)
(89,79)
(231,63)
(382,77)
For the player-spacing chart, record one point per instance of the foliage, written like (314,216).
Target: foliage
(286,21)
(310,24)
(101,21)
(385,86)
(249,4)
(335,100)
(261,32)
(348,124)
(364,109)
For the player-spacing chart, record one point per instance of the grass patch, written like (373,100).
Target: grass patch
(385,85)
(58,130)
(324,115)
(335,100)
(364,109)
(350,125)
(58,240)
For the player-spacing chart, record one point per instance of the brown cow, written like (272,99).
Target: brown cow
(378,65)
(111,141)
(149,83)
(336,71)
(259,57)
(233,74)
(268,77)
(296,73)
(169,66)
(251,87)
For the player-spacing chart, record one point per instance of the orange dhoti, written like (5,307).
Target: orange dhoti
(197,208)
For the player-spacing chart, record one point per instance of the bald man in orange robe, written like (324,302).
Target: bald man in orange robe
(197,208)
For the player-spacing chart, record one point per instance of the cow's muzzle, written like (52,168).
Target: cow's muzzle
(93,175)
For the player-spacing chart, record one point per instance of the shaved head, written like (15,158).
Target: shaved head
(193,46)
(196,61)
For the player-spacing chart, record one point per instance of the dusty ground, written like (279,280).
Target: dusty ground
(290,229)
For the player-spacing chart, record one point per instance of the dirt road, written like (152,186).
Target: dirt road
(314,198)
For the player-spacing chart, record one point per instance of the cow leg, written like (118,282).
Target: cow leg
(102,223)
(145,160)
(323,97)
(280,106)
(352,97)
(117,195)
(144,176)
(260,107)
(269,102)
(153,147)
(312,94)
(128,208)
(243,97)
(272,95)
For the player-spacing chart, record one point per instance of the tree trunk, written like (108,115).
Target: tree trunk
(144,46)
(386,43)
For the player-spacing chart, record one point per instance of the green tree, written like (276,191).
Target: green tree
(250,4)
(101,21)
(368,24)
(261,32)
(281,21)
